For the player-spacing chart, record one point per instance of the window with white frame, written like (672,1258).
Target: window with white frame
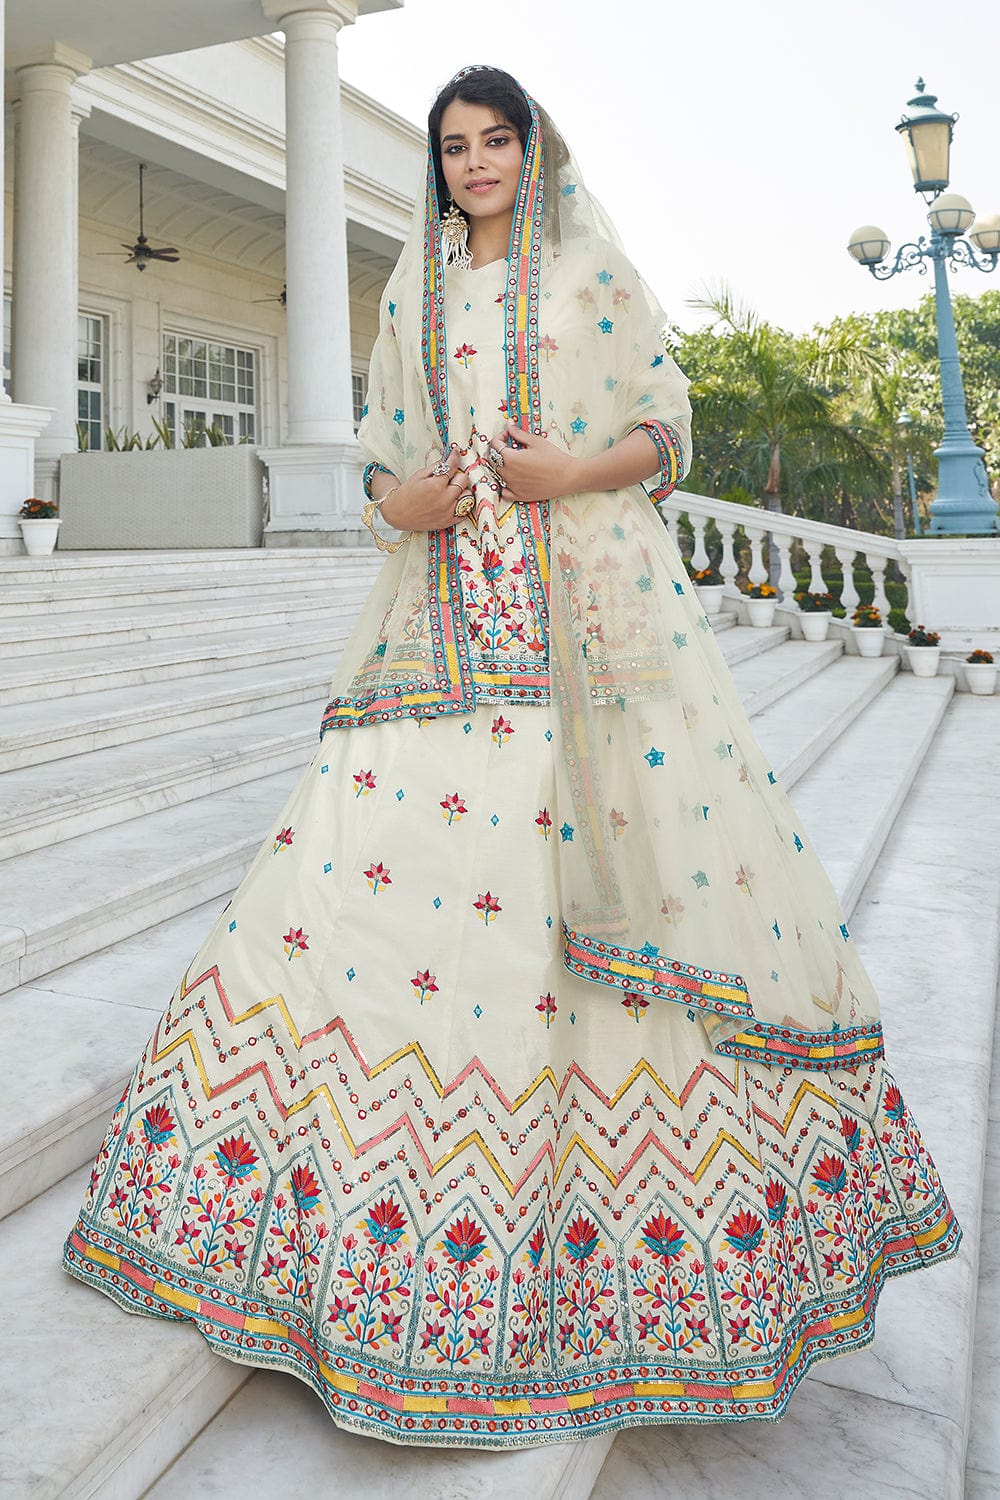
(91,361)
(209,384)
(359,395)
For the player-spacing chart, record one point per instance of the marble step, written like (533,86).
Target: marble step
(236,1451)
(43,805)
(928,928)
(849,801)
(765,676)
(801,726)
(93,1403)
(53,729)
(30,637)
(82,567)
(19,601)
(27,679)
(59,904)
(741,643)
(142,971)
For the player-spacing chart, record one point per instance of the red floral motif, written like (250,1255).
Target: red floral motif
(458,1296)
(668,1284)
(618,821)
(546,1008)
(830,1175)
(236,1157)
(218,1234)
(488,907)
(744,1232)
(548,347)
(585,1296)
(365,783)
(464,353)
(636,1003)
(749,1288)
(283,840)
(144,1177)
(544,822)
(372,1279)
(424,984)
(377,875)
(158,1124)
(296,1238)
(454,806)
(295,942)
(528,1323)
(502,729)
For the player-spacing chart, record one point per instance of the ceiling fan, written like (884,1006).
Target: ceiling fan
(142,252)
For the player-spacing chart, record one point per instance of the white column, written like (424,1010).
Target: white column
(19,425)
(315,478)
(319,327)
(44,354)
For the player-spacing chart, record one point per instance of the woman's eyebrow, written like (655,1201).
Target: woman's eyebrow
(490,130)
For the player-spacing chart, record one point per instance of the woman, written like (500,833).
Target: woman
(530,1086)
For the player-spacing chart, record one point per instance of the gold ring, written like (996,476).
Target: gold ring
(465,506)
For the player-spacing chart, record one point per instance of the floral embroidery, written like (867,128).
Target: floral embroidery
(744,877)
(502,730)
(424,984)
(548,347)
(365,782)
(668,1282)
(295,943)
(585,1297)
(459,1326)
(673,909)
(297,1231)
(544,822)
(635,1003)
(454,807)
(283,840)
(464,353)
(529,1323)
(488,907)
(377,875)
(219,1232)
(145,1174)
(618,821)
(375,1281)
(546,1008)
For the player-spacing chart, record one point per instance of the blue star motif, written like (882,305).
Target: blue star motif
(679,639)
(700,878)
(656,360)
(704,623)
(704,812)
(364,410)
(644,584)
(566,833)
(721,750)
(569,189)
(844,932)
(649,950)
(605,325)
(392,309)
(397,417)
(678,587)
(618,533)
(774,975)
(654,756)
(579,425)
(604,277)
(610,383)
(798,844)
(776,929)
(771,778)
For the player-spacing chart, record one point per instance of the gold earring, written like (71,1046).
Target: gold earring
(455,237)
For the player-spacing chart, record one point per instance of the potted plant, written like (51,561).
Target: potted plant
(980,673)
(923,650)
(815,614)
(709,586)
(867,630)
(762,601)
(39,526)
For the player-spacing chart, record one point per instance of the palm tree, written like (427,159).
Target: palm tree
(774,394)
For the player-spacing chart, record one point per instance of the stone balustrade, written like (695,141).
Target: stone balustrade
(757,524)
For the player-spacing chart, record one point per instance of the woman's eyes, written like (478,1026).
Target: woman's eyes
(494,140)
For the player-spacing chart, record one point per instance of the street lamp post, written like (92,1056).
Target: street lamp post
(963,504)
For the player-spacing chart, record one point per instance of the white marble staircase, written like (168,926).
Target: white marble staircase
(155,707)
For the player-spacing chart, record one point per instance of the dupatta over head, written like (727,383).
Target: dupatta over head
(642,700)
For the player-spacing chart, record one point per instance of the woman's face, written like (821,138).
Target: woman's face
(481,159)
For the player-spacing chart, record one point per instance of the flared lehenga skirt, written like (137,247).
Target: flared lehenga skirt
(383,1138)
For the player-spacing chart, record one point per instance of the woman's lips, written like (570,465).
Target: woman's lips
(482,186)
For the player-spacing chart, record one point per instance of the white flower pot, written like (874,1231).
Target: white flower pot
(760,612)
(710,596)
(980,677)
(40,536)
(923,660)
(815,624)
(869,639)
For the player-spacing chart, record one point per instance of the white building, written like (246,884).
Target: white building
(286,195)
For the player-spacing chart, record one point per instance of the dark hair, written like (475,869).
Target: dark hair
(492,87)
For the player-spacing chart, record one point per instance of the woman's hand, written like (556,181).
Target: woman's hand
(426,501)
(537,469)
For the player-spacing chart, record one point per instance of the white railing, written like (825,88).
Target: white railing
(756,523)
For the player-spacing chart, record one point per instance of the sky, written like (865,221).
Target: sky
(729,141)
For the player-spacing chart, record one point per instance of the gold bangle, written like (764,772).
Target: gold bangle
(367,512)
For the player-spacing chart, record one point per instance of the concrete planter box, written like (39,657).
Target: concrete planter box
(174,498)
